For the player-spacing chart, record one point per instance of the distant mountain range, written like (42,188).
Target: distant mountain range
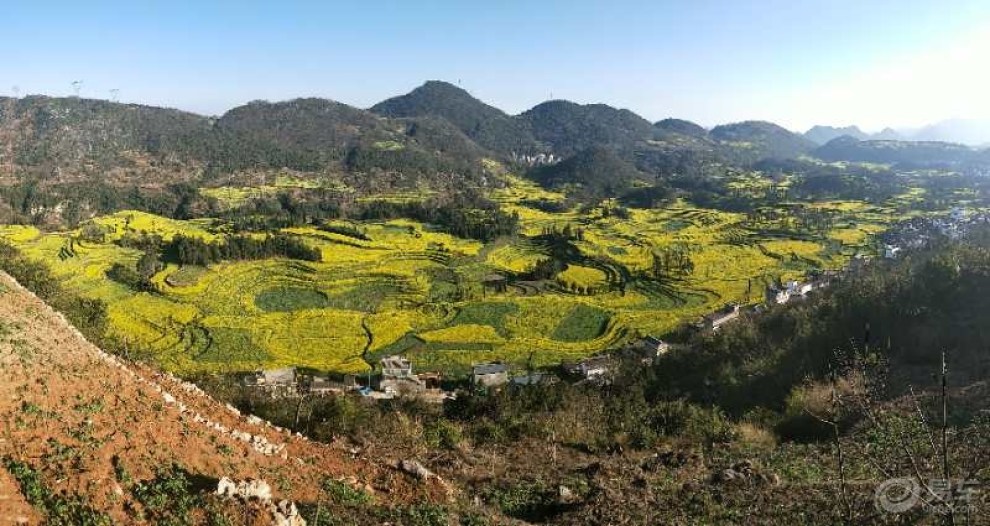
(971,132)
(435,136)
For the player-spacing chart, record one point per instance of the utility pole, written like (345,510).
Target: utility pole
(77,87)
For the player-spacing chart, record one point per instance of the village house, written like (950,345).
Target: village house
(398,378)
(777,295)
(321,386)
(490,374)
(431,381)
(716,319)
(654,346)
(647,349)
(276,382)
(318,385)
(595,368)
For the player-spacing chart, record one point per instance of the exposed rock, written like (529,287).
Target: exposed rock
(245,490)
(746,471)
(416,469)
(284,513)
(565,495)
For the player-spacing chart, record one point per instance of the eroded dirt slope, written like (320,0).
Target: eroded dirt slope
(81,418)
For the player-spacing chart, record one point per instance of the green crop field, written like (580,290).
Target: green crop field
(404,286)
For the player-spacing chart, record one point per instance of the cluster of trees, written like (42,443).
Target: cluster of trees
(576,288)
(187,250)
(34,201)
(796,220)
(671,261)
(345,230)
(139,276)
(562,235)
(463,215)
(547,205)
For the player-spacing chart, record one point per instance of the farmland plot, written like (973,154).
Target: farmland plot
(404,286)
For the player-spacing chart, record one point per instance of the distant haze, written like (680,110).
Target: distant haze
(904,64)
(973,132)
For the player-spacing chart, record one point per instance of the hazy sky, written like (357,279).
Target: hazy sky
(868,62)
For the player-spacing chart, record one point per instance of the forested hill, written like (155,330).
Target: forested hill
(595,172)
(568,128)
(682,127)
(848,148)
(51,135)
(490,127)
(756,140)
(435,138)
(72,139)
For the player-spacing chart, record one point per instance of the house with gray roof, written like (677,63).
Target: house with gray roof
(490,374)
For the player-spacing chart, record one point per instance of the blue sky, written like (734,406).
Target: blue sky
(868,62)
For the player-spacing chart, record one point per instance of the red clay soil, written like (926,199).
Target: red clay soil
(74,412)
(13,508)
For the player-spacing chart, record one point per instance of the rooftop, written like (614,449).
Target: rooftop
(490,368)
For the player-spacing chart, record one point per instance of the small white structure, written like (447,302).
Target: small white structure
(274,381)
(716,319)
(594,368)
(652,347)
(792,289)
(398,377)
(490,374)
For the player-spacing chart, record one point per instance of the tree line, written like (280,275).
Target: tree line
(188,250)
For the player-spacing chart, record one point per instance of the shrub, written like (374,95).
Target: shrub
(811,405)
(59,510)
(169,497)
(442,433)
(342,493)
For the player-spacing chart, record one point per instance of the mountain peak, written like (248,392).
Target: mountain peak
(681,126)
(823,134)
(488,126)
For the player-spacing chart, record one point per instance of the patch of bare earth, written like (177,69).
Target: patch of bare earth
(82,417)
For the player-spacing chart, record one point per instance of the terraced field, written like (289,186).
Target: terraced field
(410,288)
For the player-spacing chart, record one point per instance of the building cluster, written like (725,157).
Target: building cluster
(398,379)
(288,382)
(918,232)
